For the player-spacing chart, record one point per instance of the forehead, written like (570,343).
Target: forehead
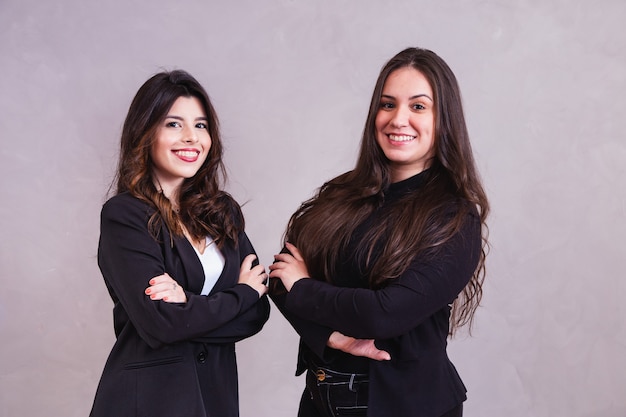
(184,104)
(407,81)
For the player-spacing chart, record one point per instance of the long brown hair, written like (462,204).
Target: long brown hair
(418,225)
(204,209)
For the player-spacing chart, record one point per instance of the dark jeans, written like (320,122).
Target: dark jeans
(335,394)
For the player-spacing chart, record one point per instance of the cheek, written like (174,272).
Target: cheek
(380,121)
(433,143)
(155,151)
(426,126)
(207,144)
(161,143)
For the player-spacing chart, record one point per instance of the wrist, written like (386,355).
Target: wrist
(289,283)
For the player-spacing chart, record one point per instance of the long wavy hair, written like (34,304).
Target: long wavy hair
(419,223)
(204,209)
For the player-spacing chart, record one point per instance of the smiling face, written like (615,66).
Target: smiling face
(181,145)
(405,123)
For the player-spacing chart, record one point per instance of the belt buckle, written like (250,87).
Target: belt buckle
(320,375)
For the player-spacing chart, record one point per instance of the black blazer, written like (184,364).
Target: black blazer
(170,359)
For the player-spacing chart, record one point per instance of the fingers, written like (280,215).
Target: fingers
(357,347)
(294,251)
(159,285)
(258,270)
(165,278)
(256,280)
(293,254)
(382,355)
(253,276)
(164,287)
(277,267)
(377,354)
(246,264)
(254,272)
(283,257)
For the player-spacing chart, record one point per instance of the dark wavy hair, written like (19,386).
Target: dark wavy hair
(419,225)
(204,209)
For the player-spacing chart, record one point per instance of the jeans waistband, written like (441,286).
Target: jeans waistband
(328,376)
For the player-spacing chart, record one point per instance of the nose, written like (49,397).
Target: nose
(190,135)
(400,117)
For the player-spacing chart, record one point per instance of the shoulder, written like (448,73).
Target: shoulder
(232,209)
(465,211)
(457,215)
(344,180)
(126,205)
(128,219)
(466,220)
(336,188)
(457,205)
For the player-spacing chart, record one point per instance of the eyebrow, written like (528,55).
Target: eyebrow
(171,116)
(410,98)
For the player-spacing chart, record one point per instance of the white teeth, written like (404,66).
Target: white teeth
(187,154)
(401,138)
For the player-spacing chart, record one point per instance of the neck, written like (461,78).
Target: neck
(170,192)
(398,175)
(401,173)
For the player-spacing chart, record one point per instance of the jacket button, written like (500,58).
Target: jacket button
(202,357)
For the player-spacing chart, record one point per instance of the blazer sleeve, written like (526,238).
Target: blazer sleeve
(243,326)
(129,256)
(314,335)
(426,287)
(251,321)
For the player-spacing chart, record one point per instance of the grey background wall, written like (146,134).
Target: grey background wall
(543,84)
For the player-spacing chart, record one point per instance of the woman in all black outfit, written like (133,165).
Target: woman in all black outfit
(176,262)
(387,260)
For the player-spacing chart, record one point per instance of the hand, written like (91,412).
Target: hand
(254,277)
(357,347)
(289,267)
(163,287)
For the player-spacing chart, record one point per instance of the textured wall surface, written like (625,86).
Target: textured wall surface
(543,85)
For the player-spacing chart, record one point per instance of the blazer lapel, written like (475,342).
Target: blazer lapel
(191,264)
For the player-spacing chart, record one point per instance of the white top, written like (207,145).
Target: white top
(212,263)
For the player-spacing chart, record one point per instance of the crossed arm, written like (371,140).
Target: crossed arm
(164,287)
(290,268)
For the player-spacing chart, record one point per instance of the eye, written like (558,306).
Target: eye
(202,125)
(418,106)
(173,124)
(386,105)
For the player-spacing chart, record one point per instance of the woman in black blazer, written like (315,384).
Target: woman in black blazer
(395,249)
(176,262)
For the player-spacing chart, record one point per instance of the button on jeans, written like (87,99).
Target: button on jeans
(332,394)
